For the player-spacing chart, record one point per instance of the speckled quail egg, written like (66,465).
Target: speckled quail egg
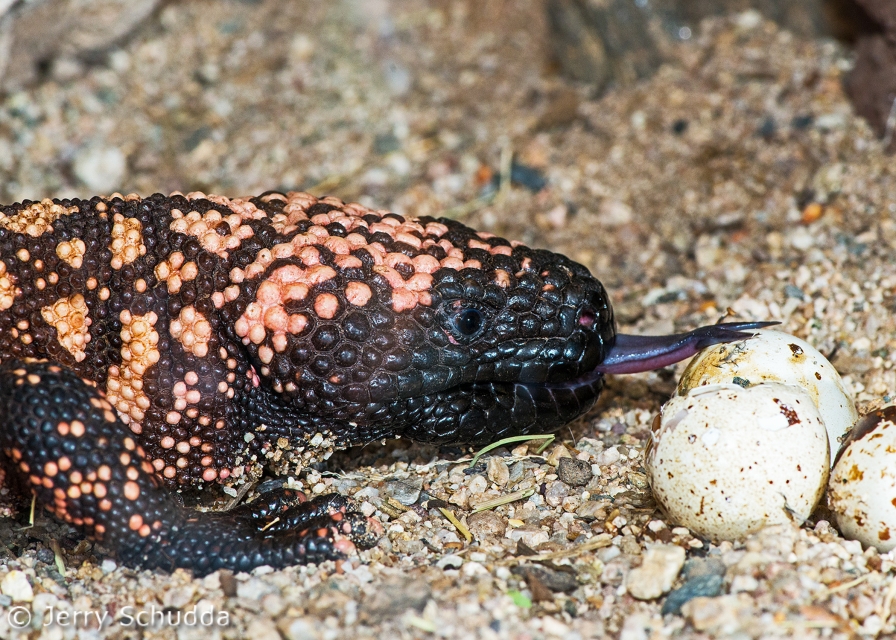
(725,461)
(862,489)
(774,356)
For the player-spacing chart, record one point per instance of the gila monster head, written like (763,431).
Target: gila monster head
(420,327)
(375,325)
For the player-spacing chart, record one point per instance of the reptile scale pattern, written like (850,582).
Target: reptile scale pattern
(150,345)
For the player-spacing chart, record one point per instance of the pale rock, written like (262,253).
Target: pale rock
(555,493)
(635,627)
(449,561)
(497,471)
(461,498)
(179,597)
(556,453)
(406,491)
(367,493)
(253,589)
(530,536)
(591,509)
(477,484)
(262,629)
(800,238)
(486,523)
(722,615)
(100,168)
(447,536)
(552,627)
(614,213)
(609,456)
(15,585)
(273,604)
(472,569)
(657,572)
(744,583)
(297,629)
(872,626)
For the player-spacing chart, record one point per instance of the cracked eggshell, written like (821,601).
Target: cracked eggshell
(862,489)
(774,356)
(725,461)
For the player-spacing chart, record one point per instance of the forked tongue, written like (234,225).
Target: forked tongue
(633,354)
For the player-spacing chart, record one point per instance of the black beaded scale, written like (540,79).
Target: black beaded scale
(153,344)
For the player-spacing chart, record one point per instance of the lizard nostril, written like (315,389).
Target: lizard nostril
(587,317)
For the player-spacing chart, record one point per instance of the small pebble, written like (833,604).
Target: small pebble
(696,567)
(558,453)
(262,629)
(100,168)
(406,491)
(395,596)
(46,555)
(497,471)
(298,629)
(531,536)
(525,176)
(574,472)
(555,492)
(228,582)
(253,589)
(609,456)
(591,510)
(477,484)
(15,585)
(657,572)
(707,586)
(486,523)
(722,614)
(179,597)
(450,562)
(792,291)
(551,578)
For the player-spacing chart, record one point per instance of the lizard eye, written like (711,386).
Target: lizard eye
(468,322)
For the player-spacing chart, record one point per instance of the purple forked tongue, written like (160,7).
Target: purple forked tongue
(633,354)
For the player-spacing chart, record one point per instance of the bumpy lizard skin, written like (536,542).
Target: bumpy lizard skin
(153,344)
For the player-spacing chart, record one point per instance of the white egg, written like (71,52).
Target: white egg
(774,356)
(862,490)
(726,461)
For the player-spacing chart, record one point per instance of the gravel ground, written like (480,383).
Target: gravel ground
(737,178)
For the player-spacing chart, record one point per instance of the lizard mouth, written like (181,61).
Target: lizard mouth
(481,412)
(545,397)
(553,404)
(631,354)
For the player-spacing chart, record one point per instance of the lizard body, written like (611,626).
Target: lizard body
(154,344)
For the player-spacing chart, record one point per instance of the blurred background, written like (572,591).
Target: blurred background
(669,145)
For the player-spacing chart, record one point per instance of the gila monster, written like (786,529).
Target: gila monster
(150,345)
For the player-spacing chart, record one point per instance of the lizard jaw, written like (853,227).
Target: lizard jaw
(629,354)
